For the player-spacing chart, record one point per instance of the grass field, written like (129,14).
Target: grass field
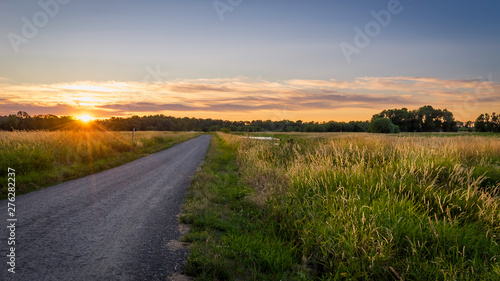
(347,207)
(43,158)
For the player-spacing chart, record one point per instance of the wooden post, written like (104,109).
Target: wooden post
(133,132)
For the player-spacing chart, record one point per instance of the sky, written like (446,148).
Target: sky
(249,59)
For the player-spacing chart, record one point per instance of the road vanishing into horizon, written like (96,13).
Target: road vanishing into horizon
(113,225)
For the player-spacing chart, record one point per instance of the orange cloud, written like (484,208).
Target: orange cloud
(244,98)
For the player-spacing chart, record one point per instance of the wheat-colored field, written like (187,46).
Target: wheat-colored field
(365,206)
(42,158)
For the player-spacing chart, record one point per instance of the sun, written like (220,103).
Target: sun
(85,118)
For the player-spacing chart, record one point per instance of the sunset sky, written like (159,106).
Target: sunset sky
(249,59)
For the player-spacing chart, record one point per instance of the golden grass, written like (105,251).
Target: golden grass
(371,205)
(42,158)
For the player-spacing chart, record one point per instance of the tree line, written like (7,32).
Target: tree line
(429,119)
(160,122)
(424,119)
(488,123)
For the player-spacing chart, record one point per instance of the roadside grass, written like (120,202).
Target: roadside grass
(347,207)
(378,207)
(231,237)
(45,158)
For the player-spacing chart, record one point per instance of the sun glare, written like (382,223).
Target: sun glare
(85,118)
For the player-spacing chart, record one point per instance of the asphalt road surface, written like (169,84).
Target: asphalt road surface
(114,225)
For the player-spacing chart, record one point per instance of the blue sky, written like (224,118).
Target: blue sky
(266,42)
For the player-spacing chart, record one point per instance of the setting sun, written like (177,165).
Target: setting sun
(85,118)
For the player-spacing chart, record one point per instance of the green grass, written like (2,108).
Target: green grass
(231,237)
(347,207)
(43,158)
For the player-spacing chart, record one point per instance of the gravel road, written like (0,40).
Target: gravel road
(114,225)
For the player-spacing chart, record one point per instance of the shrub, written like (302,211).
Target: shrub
(382,125)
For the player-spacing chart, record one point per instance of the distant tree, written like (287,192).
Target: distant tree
(309,128)
(426,115)
(480,123)
(10,123)
(400,117)
(382,125)
(214,128)
(448,123)
(22,114)
(424,119)
(487,123)
(495,121)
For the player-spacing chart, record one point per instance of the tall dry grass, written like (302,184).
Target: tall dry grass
(363,206)
(46,157)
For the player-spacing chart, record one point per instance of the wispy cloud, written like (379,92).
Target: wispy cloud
(234,98)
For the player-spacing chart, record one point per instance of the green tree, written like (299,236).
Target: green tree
(480,123)
(382,125)
(495,120)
